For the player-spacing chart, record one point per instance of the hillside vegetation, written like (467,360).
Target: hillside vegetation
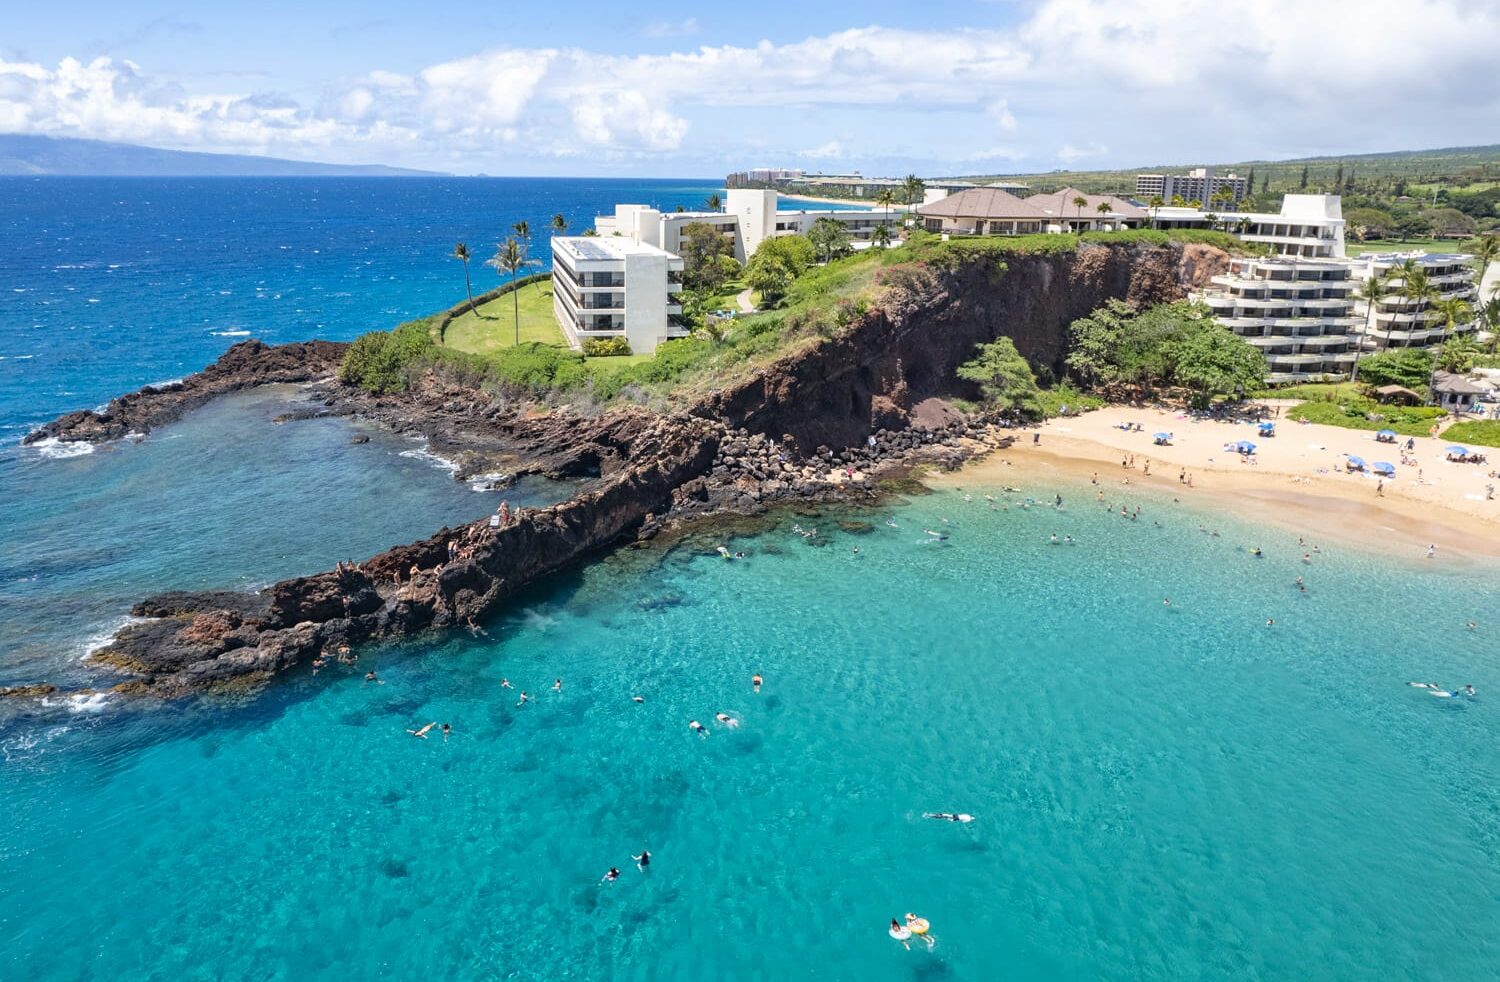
(821,303)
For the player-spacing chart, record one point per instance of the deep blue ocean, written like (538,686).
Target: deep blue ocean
(1161,792)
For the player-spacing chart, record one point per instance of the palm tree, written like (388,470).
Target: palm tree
(1372,291)
(885,198)
(522,230)
(1102,208)
(1155,205)
(560,224)
(714,202)
(461,253)
(1452,311)
(1486,250)
(508,260)
(881,235)
(1080,202)
(913,187)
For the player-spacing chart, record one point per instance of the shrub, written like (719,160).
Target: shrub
(386,361)
(605,347)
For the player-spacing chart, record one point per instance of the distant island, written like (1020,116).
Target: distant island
(36,156)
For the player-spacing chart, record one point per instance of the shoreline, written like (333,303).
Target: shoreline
(854,203)
(1293,487)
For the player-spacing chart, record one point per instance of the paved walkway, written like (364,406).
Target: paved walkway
(743,299)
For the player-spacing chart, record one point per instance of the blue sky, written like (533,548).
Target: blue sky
(678,89)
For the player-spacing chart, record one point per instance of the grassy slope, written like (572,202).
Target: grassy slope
(495,328)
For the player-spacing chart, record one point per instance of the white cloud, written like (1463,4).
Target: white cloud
(1143,78)
(832,148)
(671,29)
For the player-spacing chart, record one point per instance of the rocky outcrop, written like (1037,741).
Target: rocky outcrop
(839,390)
(195,641)
(247,364)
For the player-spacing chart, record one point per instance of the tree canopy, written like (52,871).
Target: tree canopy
(1410,367)
(777,262)
(1004,377)
(703,250)
(1172,343)
(829,238)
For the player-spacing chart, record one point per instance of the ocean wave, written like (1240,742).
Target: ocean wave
(422,453)
(92,702)
(54,449)
(163,384)
(230,334)
(484,482)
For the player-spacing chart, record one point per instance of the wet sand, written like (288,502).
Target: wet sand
(1298,480)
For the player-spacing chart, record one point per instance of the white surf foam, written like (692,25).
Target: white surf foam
(482,482)
(422,453)
(230,334)
(54,449)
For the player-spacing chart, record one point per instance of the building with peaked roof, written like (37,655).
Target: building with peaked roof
(982,211)
(1099,212)
(1456,393)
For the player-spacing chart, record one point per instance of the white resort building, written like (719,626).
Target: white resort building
(1309,225)
(1199,184)
(749,217)
(1298,312)
(616,288)
(1415,323)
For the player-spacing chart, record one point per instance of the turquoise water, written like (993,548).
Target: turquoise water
(1162,793)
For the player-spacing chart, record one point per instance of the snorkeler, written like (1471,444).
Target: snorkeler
(643,860)
(698,728)
(756,682)
(611,876)
(727,720)
(422,733)
(949,817)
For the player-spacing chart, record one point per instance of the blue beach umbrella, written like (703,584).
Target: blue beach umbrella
(1358,462)
(1267,427)
(1461,451)
(1386,433)
(1383,468)
(1161,436)
(1245,446)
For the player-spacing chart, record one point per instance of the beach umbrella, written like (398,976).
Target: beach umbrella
(1245,446)
(1161,436)
(1267,427)
(1356,462)
(1381,467)
(1461,451)
(1386,433)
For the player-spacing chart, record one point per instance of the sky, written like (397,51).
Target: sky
(673,89)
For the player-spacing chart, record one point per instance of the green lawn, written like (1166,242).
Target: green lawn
(495,327)
(1354,415)
(1409,245)
(1483,432)
(1316,391)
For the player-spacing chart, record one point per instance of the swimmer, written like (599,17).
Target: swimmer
(1166,601)
(756,682)
(1270,622)
(525,698)
(1067,540)
(447,731)
(697,727)
(919,927)
(1423,685)
(1307,558)
(1472,625)
(1469,691)
(370,676)
(1256,552)
(643,860)
(1431,551)
(611,876)
(422,733)
(949,817)
(1054,538)
(901,933)
(892,523)
(637,698)
(505,684)
(557,686)
(727,720)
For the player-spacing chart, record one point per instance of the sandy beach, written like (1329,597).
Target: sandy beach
(1296,479)
(854,202)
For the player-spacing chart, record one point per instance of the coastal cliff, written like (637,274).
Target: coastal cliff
(928,322)
(813,425)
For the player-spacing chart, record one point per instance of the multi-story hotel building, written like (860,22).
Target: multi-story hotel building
(1298,312)
(1399,322)
(616,288)
(1310,226)
(1198,185)
(749,217)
